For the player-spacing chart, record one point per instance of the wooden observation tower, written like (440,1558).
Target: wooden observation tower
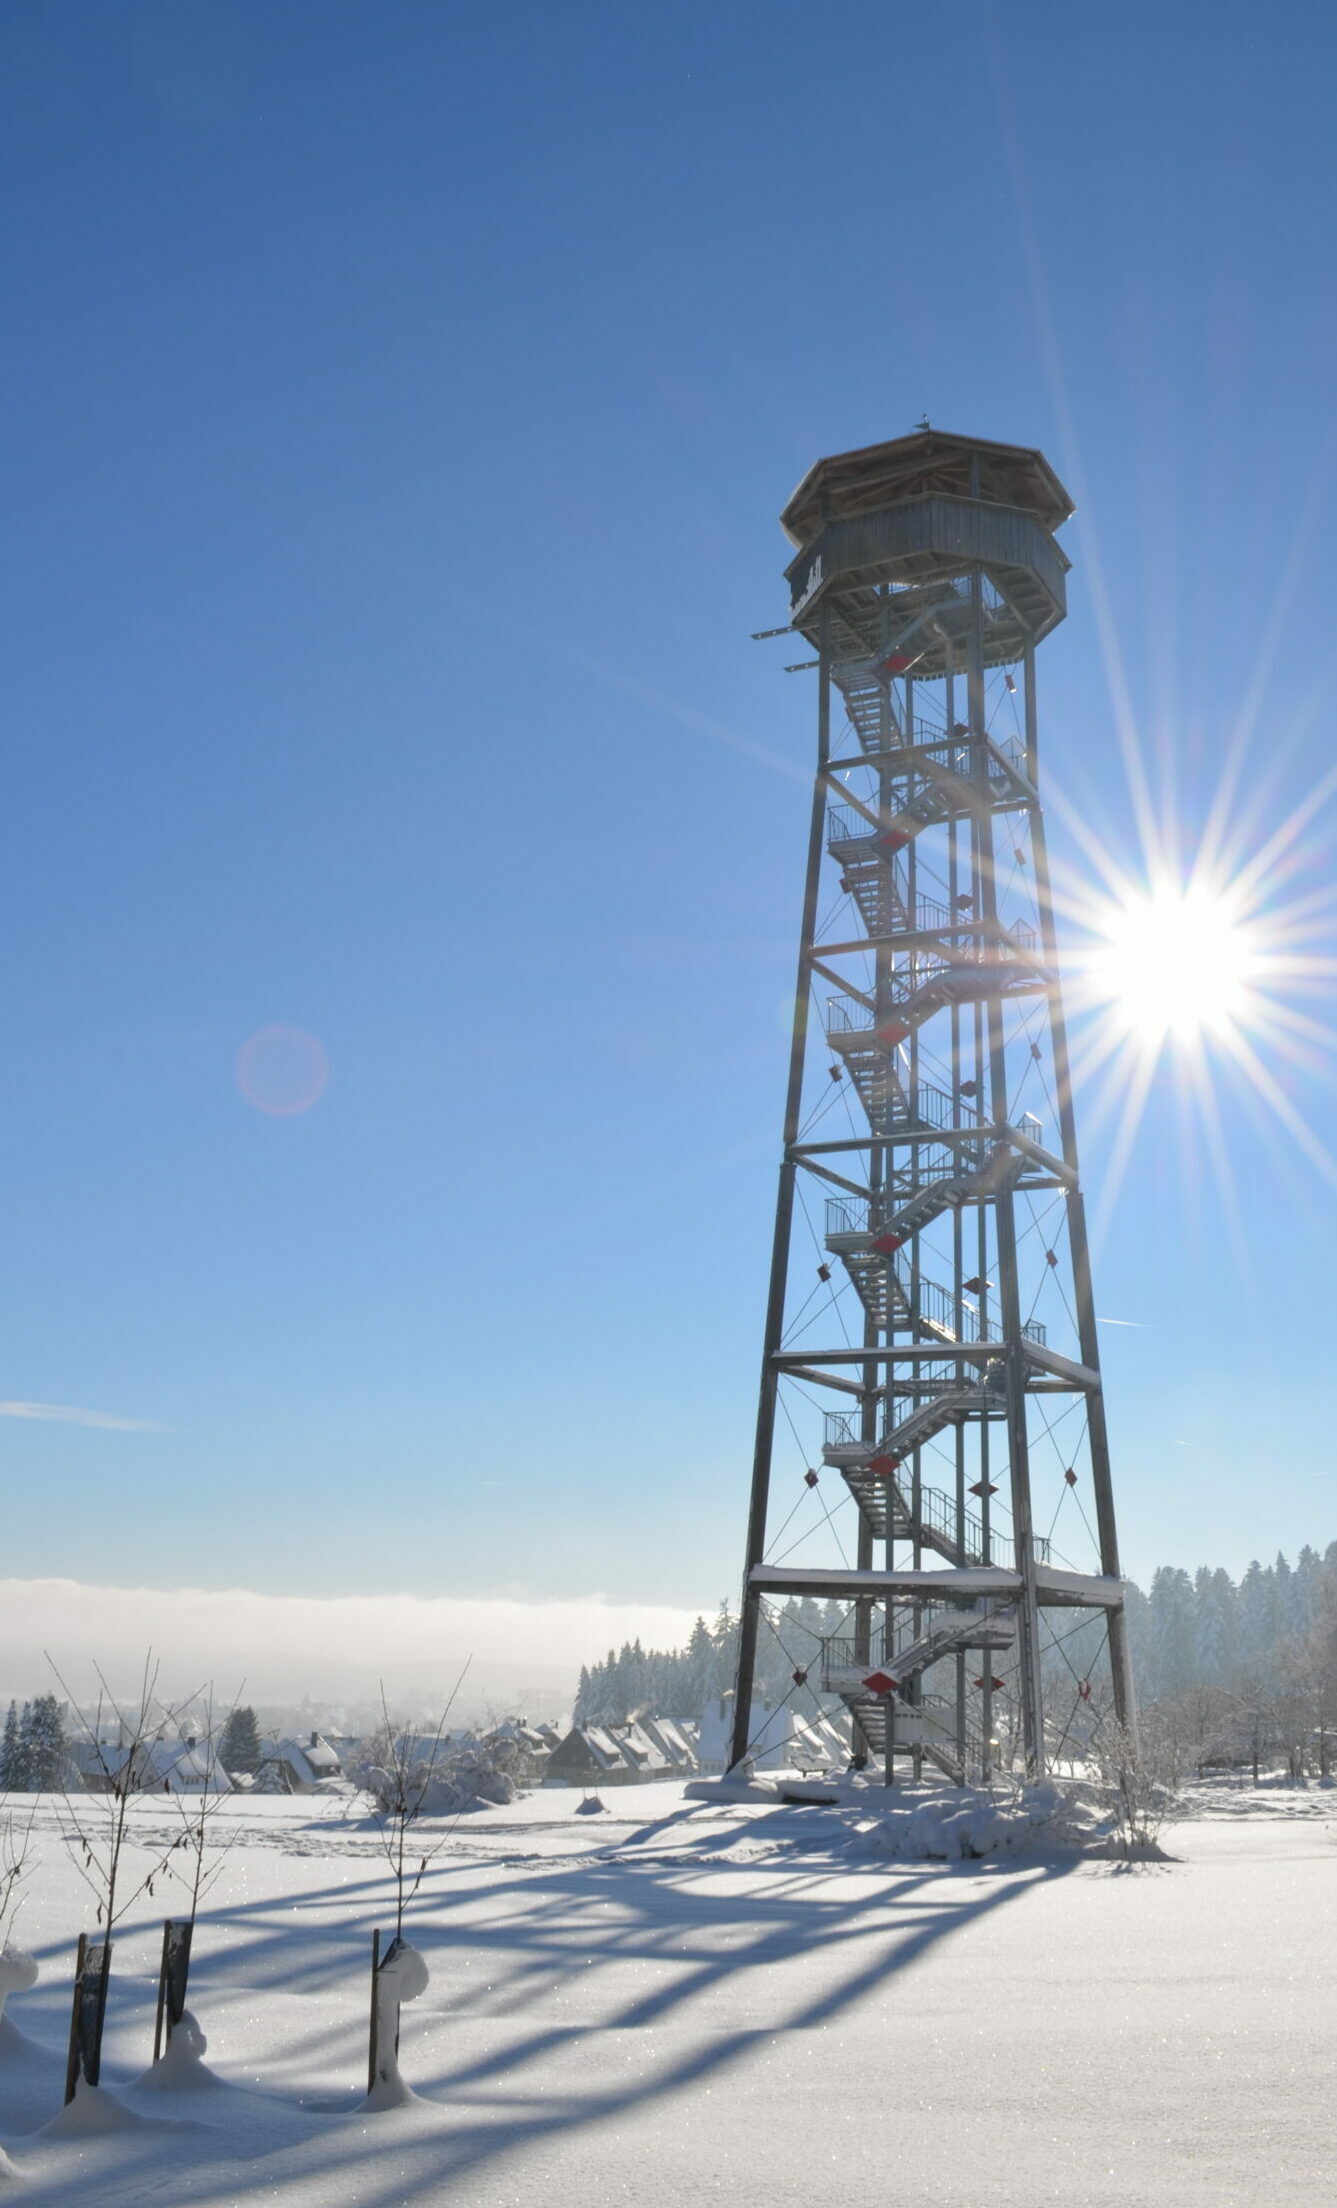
(931,1450)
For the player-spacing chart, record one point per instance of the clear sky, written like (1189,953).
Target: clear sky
(398,402)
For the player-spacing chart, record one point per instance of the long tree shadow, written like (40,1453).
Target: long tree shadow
(698,1917)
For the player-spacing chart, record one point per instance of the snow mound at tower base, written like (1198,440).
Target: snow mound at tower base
(955,1824)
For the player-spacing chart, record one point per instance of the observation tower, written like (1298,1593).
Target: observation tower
(931,1456)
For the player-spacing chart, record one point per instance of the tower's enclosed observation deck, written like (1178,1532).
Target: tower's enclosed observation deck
(913,517)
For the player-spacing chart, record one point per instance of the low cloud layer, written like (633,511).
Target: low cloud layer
(334,1646)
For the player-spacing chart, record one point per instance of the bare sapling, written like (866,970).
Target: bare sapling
(116,1852)
(399,1973)
(406,1784)
(196,1858)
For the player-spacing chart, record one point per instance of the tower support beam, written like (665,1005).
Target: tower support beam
(749,1607)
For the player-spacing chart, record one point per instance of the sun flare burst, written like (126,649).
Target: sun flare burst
(1177,964)
(1200,975)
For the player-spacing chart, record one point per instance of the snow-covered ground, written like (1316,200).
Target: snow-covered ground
(677,2001)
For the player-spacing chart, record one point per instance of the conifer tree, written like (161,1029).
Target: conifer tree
(581,1713)
(1308,1588)
(239,1749)
(1172,1623)
(13,1779)
(701,1681)
(725,1638)
(1257,1621)
(43,1751)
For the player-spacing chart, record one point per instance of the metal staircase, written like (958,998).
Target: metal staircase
(933,783)
(947,975)
(893,1512)
(889,1294)
(930,1725)
(952,1401)
(938,1719)
(968,1175)
(927,1722)
(986,1626)
(970,974)
(868,1053)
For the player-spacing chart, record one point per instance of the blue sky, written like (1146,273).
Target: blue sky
(398,404)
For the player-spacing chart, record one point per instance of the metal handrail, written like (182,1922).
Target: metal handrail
(845,825)
(846,1016)
(934,1106)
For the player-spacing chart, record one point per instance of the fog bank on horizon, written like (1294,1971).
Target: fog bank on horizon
(327,1646)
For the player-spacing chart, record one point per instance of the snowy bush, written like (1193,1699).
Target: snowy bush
(957,1823)
(1139,1780)
(461,1779)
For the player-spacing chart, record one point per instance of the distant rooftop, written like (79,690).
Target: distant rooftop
(927,461)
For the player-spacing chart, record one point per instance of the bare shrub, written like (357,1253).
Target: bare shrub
(403,1787)
(198,1854)
(1139,1776)
(100,1826)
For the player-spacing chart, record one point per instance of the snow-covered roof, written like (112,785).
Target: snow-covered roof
(637,1747)
(181,1764)
(601,1744)
(673,1741)
(309,1760)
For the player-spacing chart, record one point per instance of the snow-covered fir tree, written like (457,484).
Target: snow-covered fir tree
(239,1749)
(43,1750)
(13,1762)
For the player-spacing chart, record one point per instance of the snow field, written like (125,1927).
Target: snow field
(677,2001)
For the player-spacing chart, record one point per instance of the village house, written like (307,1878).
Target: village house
(186,1766)
(618,1755)
(299,1767)
(781,1739)
(612,1755)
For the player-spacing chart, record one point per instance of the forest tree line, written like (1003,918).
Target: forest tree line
(1262,1649)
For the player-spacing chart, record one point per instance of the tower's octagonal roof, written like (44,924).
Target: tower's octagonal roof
(927,461)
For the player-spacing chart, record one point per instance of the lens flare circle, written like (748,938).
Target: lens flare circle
(282,1070)
(1176,964)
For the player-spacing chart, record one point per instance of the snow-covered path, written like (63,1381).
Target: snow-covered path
(664,2005)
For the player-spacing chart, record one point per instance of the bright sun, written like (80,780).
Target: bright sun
(1177,964)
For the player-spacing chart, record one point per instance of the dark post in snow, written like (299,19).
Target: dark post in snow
(173,1977)
(383,2038)
(91,1971)
(951,1327)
